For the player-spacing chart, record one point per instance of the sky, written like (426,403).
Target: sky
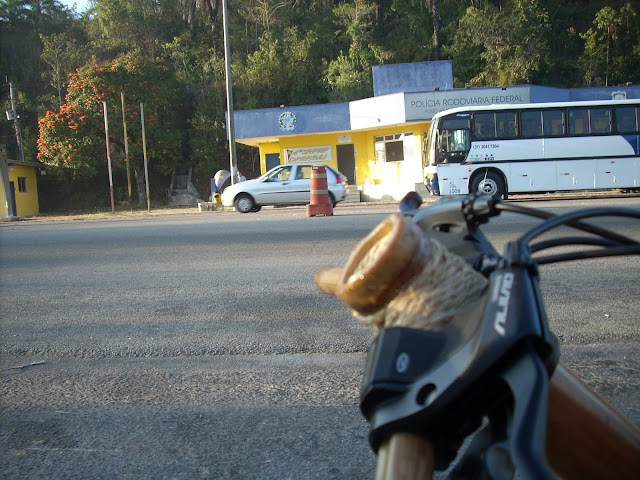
(80,4)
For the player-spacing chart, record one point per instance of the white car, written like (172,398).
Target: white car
(287,184)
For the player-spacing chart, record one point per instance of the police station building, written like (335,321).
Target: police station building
(377,142)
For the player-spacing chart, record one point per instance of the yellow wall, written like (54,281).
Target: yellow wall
(367,171)
(272,147)
(26,202)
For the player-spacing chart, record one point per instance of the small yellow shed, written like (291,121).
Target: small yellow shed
(22,189)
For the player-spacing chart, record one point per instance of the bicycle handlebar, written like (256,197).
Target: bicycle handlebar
(473,357)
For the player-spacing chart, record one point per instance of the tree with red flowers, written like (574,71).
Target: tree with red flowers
(73,138)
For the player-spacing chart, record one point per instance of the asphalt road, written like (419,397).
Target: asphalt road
(196,345)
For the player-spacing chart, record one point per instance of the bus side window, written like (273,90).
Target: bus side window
(627,119)
(531,122)
(578,121)
(600,120)
(552,122)
(506,124)
(484,126)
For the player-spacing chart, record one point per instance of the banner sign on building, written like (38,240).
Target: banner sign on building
(424,105)
(320,154)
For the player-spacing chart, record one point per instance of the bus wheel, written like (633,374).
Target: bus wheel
(489,184)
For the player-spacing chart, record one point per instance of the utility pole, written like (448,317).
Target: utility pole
(4,173)
(144,156)
(106,134)
(15,118)
(231,132)
(126,150)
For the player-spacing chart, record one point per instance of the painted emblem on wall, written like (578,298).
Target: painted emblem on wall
(287,121)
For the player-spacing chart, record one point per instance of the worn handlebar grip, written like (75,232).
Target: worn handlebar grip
(405,456)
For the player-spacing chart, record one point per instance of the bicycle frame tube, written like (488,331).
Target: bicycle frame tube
(587,438)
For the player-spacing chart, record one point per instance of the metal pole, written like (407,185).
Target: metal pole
(126,149)
(106,134)
(231,133)
(15,121)
(144,153)
(6,184)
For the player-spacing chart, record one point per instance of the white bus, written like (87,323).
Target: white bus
(534,147)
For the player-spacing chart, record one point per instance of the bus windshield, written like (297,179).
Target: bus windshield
(453,140)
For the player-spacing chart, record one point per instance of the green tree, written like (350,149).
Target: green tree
(46,11)
(60,52)
(136,25)
(202,75)
(280,72)
(14,11)
(349,76)
(21,24)
(510,42)
(208,11)
(611,47)
(434,8)
(409,32)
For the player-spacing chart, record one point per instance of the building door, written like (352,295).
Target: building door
(12,189)
(347,162)
(271,160)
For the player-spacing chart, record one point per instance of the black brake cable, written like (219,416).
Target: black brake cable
(567,241)
(608,252)
(585,227)
(570,219)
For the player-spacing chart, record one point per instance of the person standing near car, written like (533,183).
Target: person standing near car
(241,177)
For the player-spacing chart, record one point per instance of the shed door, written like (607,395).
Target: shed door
(12,190)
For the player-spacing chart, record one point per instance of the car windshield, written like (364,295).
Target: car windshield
(278,174)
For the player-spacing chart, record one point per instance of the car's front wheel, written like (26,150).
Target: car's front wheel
(244,203)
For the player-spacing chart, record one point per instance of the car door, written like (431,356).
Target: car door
(276,187)
(301,185)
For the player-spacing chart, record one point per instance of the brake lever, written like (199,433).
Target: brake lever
(454,222)
(516,436)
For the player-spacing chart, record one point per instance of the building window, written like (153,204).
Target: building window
(22,184)
(390,148)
